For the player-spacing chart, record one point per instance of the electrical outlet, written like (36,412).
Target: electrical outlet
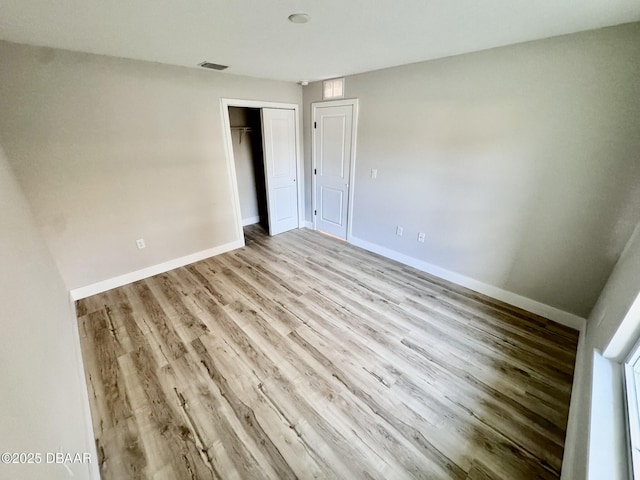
(374,173)
(140,243)
(399,231)
(421,236)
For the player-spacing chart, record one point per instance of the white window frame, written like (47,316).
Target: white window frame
(614,396)
(632,384)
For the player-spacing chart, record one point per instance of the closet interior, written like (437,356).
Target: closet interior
(246,134)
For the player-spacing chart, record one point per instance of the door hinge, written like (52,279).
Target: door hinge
(315,212)
(315,125)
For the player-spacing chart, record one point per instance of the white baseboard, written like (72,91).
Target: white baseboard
(119,281)
(564,318)
(308,225)
(250,221)
(93,466)
(578,398)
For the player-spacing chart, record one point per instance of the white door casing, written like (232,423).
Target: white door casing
(333,162)
(225,103)
(280,162)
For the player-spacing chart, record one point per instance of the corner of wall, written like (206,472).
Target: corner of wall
(569,470)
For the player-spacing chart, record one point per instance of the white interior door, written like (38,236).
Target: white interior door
(280,161)
(332,167)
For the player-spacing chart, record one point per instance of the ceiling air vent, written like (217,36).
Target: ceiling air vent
(213,66)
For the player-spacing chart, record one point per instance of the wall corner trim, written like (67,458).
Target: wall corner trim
(93,467)
(552,313)
(571,440)
(119,281)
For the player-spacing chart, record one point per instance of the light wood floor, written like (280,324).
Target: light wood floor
(300,356)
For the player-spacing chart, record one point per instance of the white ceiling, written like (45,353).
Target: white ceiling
(255,38)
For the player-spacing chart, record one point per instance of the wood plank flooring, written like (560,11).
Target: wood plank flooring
(300,356)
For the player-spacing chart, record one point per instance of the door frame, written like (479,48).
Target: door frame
(225,103)
(352,169)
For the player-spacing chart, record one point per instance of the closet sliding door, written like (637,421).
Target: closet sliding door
(280,161)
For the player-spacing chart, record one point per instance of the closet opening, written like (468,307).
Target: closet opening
(246,136)
(262,141)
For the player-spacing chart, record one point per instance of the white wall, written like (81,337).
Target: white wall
(109,150)
(43,402)
(616,300)
(520,163)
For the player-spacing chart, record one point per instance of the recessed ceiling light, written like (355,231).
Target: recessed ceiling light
(299,18)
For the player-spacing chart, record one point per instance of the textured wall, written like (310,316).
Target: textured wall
(43,403)
(109,150)
(520,163)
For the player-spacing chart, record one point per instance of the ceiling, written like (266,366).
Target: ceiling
(255,38)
